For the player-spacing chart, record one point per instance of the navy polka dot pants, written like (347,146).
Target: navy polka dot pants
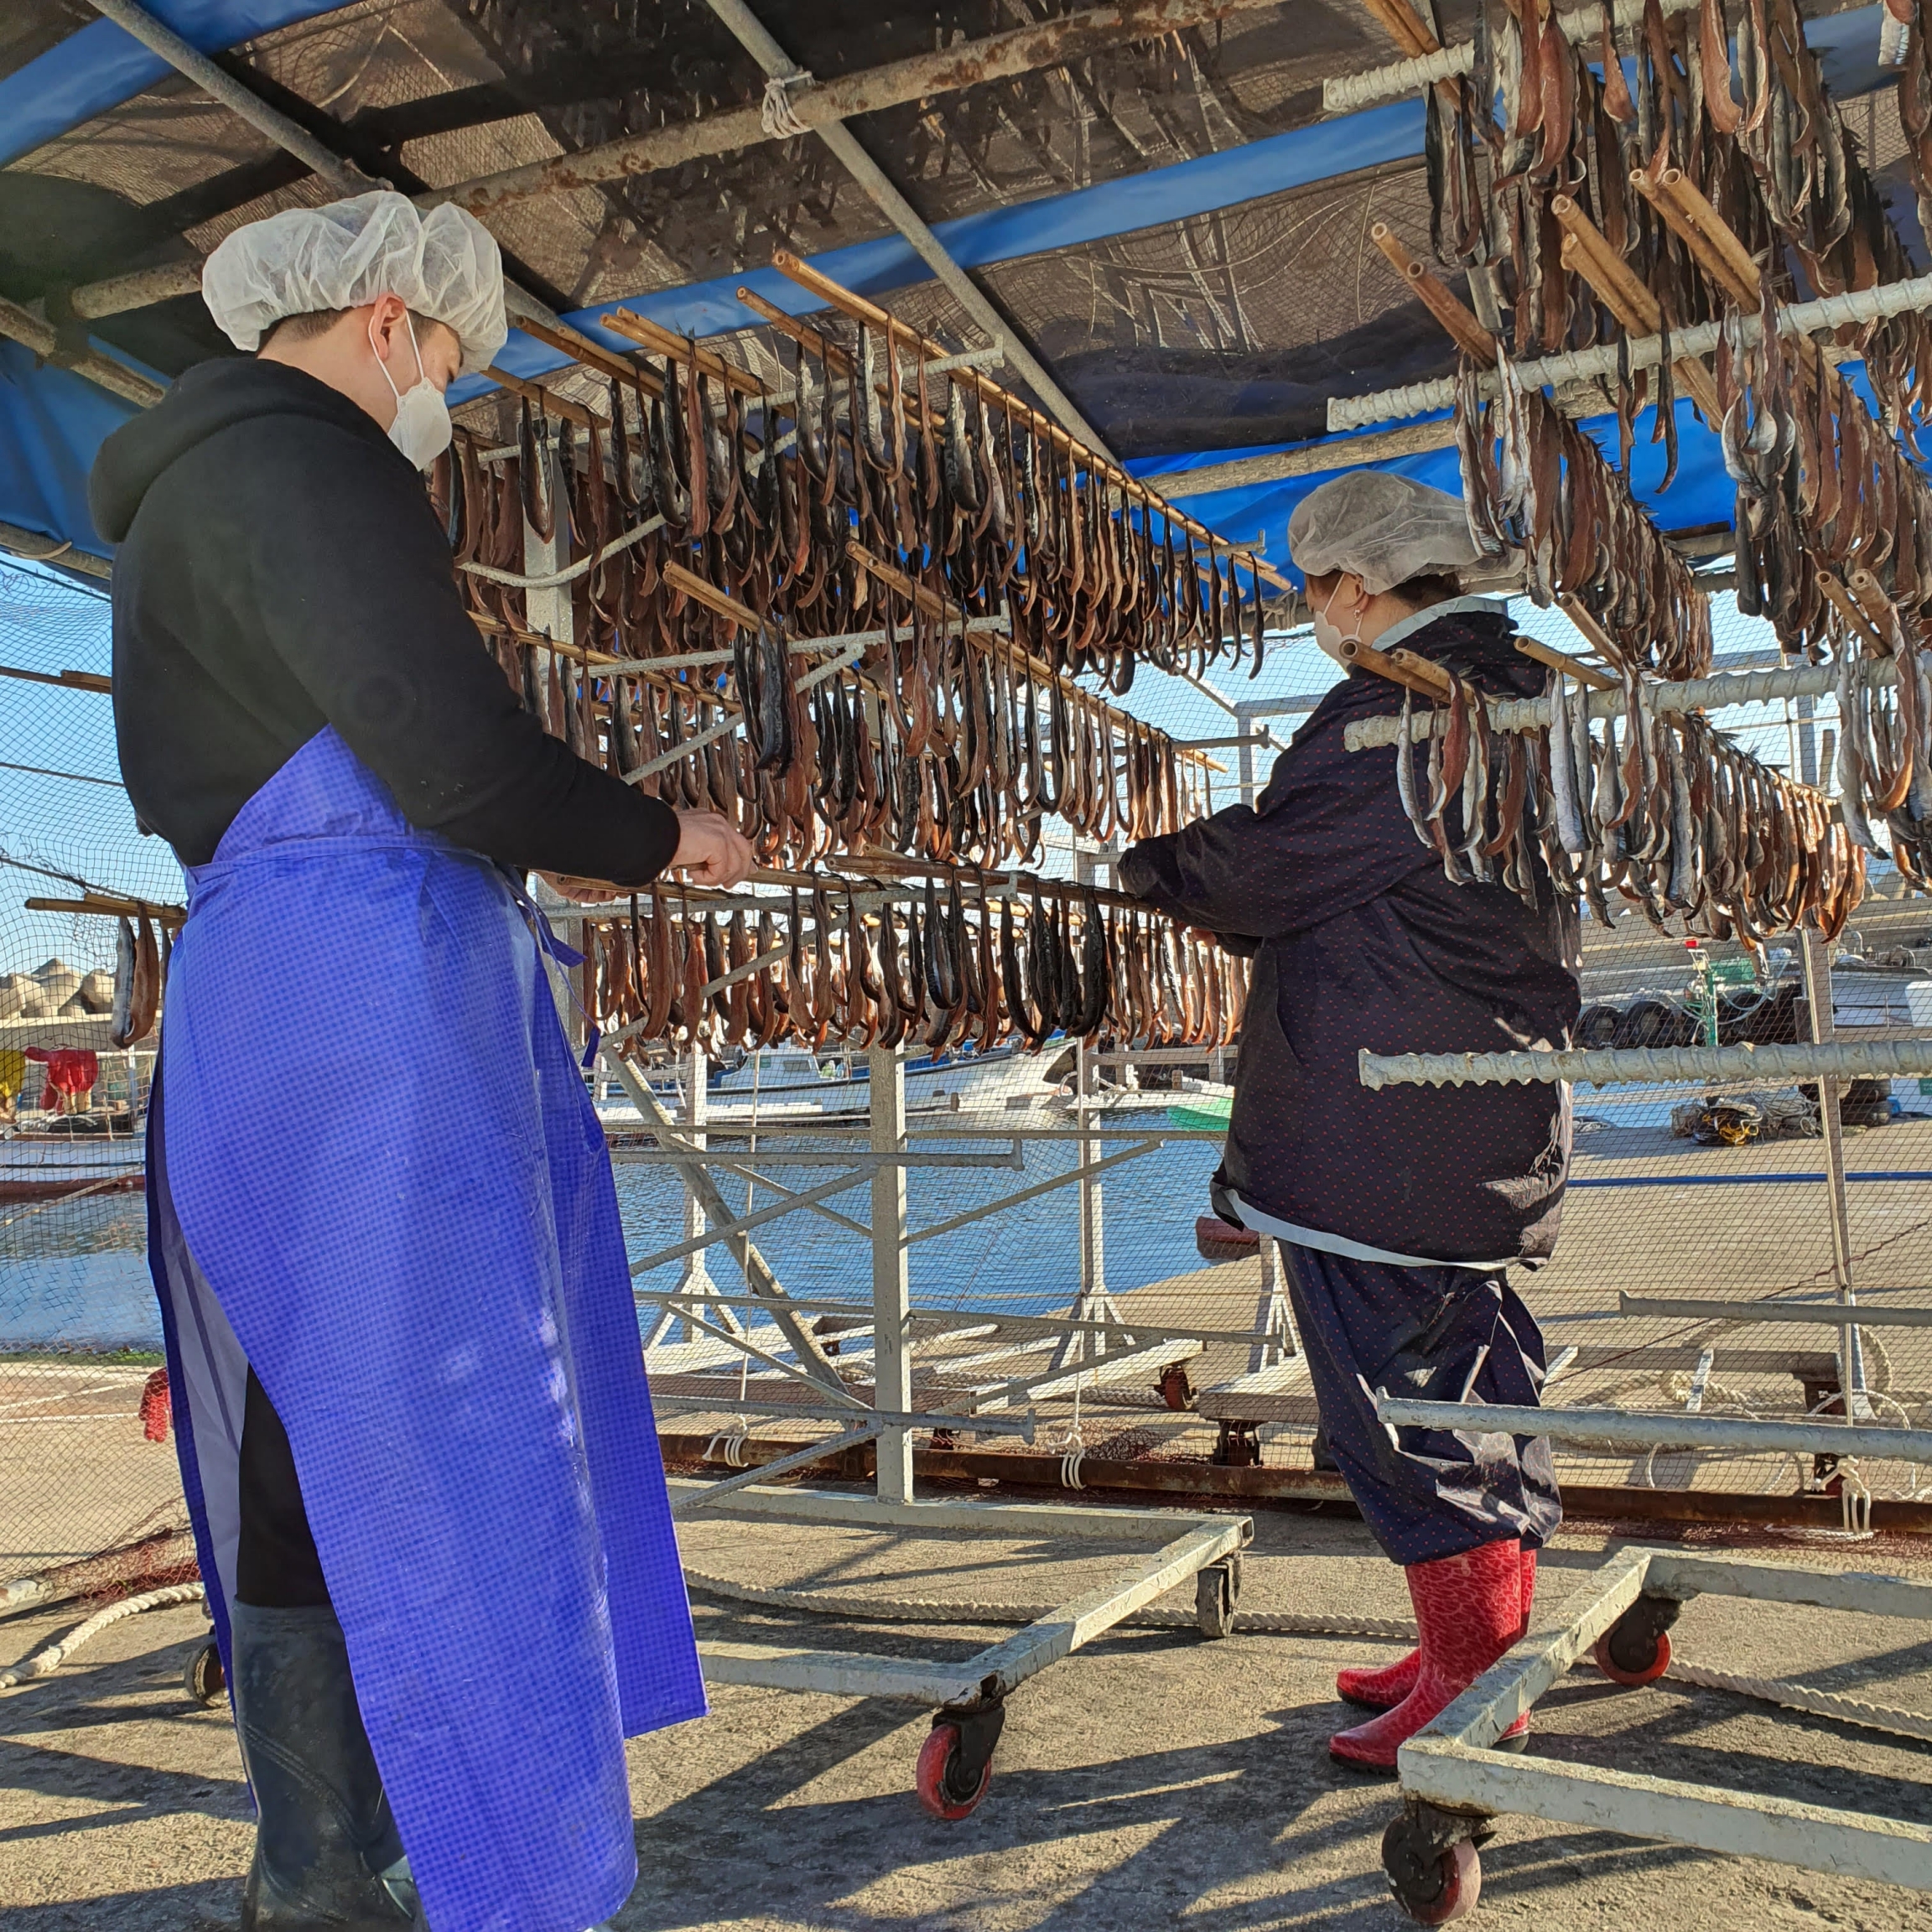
(1436,1335)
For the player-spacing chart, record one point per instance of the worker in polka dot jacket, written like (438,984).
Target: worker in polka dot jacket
(1398,1212)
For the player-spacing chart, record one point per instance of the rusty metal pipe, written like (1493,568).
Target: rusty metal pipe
(1287,1488)
(998,56)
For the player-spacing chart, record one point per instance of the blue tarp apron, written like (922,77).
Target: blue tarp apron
(375,1175)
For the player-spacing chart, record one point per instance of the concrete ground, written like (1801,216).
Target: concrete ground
(1153,1780)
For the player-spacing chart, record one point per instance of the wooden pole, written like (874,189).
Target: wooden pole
(1468,334)
(1399,668)
(1570,667)
(1587,251)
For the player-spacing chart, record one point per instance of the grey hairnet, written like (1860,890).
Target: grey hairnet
(1383,528)
(444,264)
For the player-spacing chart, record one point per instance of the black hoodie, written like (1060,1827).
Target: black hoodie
(1364,942)
(280,569)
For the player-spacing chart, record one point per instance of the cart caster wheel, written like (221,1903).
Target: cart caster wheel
(1636,1649)
(1618,1672)
(202,1678)
(956,1761)
(1216,1596)
(1431,1884)
(942,1790)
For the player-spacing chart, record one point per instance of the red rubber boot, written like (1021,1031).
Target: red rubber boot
(1379,1690)
(1382,1689)
(1468,1612)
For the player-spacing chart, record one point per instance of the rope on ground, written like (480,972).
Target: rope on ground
(43,1663)
(1801,1697)
(935,1610)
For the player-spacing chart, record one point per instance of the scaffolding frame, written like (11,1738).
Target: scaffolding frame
(1454,1782)
(1095,1341)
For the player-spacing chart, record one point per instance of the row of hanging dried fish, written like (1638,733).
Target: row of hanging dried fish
(764,499)
(967,964)
(964,766)
(1821,487)
(1884,753)
(1764,144)
(1533,482)
(1676,818)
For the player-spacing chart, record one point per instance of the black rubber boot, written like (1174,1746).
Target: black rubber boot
(327,1854)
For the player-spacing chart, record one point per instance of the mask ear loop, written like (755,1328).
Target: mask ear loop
(422,374)
(1355,635)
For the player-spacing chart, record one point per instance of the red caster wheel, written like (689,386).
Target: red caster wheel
(1619,1672)
(1433,1882)
(956,1761)
(1636,1649)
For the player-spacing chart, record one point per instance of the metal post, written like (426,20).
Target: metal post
(891,1282)
(1093,1232)
(1274,1319)
(1092,1303)
(1092,1229)
(1818,1003)
(695,1279)
(548,611)
(1244,757)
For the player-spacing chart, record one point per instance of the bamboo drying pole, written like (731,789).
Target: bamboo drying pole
(1402,668)
(1404,28)
(547,399)
(100,905)
(702,590)
(1637,310)
(659,341)
(1464,330)
(1570,666)
(591,354)
(1703,230)
(934,606)
(67,680)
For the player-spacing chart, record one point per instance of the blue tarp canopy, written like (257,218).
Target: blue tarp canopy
(1186,303)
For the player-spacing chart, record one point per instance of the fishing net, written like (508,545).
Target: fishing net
(1708,1192)
(1227,328)
(90,1493)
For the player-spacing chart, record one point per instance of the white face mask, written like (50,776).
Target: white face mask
(1328,634)
(422,429)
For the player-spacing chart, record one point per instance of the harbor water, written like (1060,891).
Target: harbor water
(74,1275)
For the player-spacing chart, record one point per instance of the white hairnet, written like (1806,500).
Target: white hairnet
(1383,528)
(444,264)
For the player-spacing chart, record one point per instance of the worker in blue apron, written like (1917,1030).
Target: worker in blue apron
(1399,1212)
(415,1430)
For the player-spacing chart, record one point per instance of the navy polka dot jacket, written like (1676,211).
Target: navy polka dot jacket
(1360,940)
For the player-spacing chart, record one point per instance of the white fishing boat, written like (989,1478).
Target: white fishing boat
(776,1083)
